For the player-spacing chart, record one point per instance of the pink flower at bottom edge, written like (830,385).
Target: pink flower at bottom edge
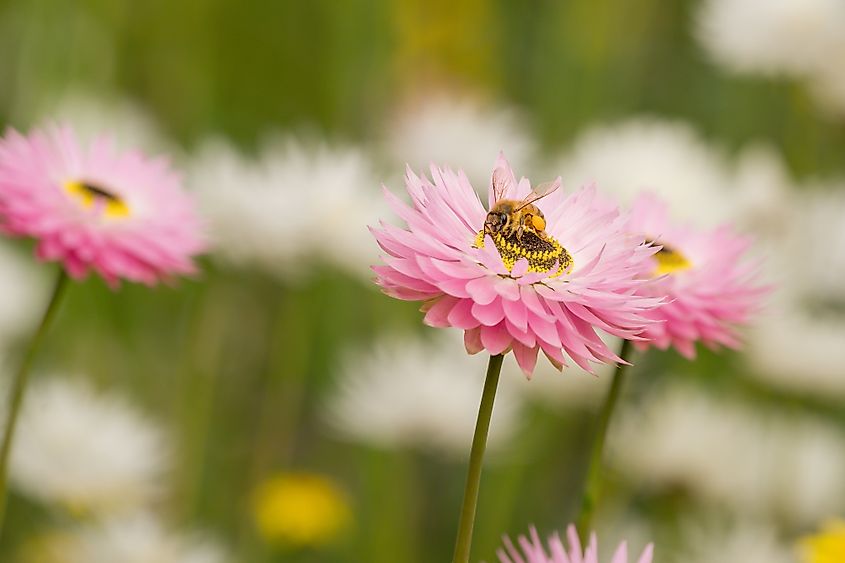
(509,295)
(120,214)
(532,550)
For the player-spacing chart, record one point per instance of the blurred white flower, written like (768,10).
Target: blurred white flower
(85,450)
(670,159)
(134,538)
(615,519)
(572,388)
(797,344)
(22,294)
(738,541)
(91,115)
(416,393)
(750,461)
(803,39)
(761,191)
(294,205)
(665,157)
(459,133)
(791,37)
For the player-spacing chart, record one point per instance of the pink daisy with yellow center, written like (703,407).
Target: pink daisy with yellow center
(521,277)
(708,281)
(532,550)
(120,214)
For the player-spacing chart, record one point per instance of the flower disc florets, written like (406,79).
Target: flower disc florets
(543,255)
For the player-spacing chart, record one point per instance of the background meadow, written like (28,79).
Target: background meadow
(278,408)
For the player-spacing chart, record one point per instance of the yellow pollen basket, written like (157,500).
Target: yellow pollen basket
(538,222)
(543,254)
(670,261)
(301,509)
(826,547)
(90,195)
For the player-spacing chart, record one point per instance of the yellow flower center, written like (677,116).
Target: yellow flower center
(92,195)
(670,261)
(300,509)
(827,546)
(542,253)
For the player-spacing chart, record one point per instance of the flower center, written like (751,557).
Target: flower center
(669,261)
(543,254)
(94,196)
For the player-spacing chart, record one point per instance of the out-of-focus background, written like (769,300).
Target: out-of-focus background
(278,408)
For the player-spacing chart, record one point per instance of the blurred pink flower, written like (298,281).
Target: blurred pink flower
(710,285)
(532,550)
(507,296)
(119,214)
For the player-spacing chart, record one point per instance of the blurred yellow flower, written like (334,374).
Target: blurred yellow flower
(828,546)
(301,509)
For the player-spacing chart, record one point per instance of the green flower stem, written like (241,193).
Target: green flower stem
(592,488)
(476,461)
(19,387)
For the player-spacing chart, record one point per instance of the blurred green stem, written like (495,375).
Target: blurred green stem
(19,387)
(392,488)
(476,461)
(592,488)
(204,363)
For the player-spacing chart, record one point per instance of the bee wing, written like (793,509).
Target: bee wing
(501,183)
(539,191)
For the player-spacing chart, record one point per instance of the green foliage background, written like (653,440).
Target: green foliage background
(235,362)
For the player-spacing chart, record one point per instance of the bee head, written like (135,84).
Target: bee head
(495,221)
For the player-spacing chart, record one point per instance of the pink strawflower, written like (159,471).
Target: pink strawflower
(532,550)
(710,285)
(119,214)
(504,295)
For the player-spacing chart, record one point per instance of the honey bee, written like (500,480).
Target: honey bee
(512,217)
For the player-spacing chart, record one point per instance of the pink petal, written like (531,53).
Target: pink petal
(496,339)
(437,313)
(525,357)
(472,341)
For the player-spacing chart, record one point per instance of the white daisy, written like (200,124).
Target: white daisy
(761,191)
(23,294)
(85,450)
(419,394)
(91,115)
(666,157)
(736,541)
(294,205)
(131,538)
(798,343)
(670,159)
(460,133)
(720,450)
(572,388)
(790,37)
